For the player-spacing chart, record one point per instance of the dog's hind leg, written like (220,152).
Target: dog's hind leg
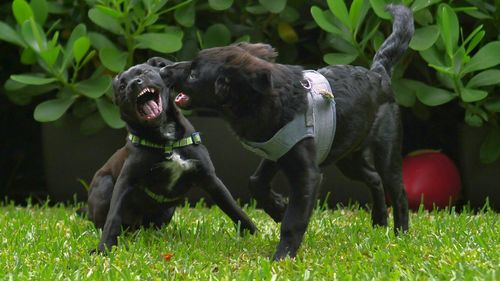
(388,162)
(259,185)
(99,199)
(360,167)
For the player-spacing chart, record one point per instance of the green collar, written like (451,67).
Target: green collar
(169,147)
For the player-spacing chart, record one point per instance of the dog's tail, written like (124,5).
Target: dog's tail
(396,44)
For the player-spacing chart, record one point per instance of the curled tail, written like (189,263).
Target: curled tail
(396,44)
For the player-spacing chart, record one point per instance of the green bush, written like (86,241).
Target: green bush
(73,48)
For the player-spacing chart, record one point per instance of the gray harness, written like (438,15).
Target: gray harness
(318,122)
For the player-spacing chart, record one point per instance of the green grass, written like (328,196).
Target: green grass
(52,243)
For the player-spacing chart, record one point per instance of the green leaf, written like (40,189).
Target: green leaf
(50,55)
(40,10)
(216,35)
(52,110)
(220,5)
(423,17)
(8,34)
(273,6)
(424,37)
(432,56)
(475,41)
(472,95)
(160,42)
(493,104)
(31,79)
(80,48)
(109,11)
(422,4)
(113,59)
(339,58)
(485,78)
(488,56)
(448,24)
(287,33)
(490,148)
(22,11)
(110,113)
(339,9)
(289,14)
(432,96)
(404,92)
(105,21)
(100,41)
(357,13)
(322,21)
(28,56)
(379,8)
(244,38)
(33,35)
(94,88)
(79,31)
(22,94)
(472,119)
(256,10)
(185,15)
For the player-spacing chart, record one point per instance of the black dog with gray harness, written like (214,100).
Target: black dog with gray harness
(142,183)
(268,106)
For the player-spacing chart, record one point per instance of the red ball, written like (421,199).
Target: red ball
(432,177)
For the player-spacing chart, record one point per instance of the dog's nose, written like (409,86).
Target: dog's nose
(138,81)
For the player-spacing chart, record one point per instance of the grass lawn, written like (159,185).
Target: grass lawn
(52,243)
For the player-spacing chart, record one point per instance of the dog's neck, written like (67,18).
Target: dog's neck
(259,120)
(174,126)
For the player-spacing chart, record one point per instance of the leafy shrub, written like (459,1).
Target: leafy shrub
(73,48)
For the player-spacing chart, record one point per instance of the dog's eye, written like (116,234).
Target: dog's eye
(192,75)
(122,87)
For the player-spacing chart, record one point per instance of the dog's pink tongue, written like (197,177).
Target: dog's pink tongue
(151,109)
(182,100)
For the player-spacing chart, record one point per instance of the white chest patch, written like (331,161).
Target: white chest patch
(176,165)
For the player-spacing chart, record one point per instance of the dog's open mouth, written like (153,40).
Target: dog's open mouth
(149,103)
(182,100)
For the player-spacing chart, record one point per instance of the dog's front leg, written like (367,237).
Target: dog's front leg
(221,196)
(304,177)
(114,220)
(259,185)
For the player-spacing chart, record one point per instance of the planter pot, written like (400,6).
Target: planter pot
(70,156)
(480,181)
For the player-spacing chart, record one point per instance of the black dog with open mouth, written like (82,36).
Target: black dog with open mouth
(142,183)
(276,110)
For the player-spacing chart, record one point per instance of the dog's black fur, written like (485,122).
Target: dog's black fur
(117,198)
(258,97)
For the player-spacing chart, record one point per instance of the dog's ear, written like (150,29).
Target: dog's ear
(260,50)
(158,62)
(116,90)
(261,81)
(236,79)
